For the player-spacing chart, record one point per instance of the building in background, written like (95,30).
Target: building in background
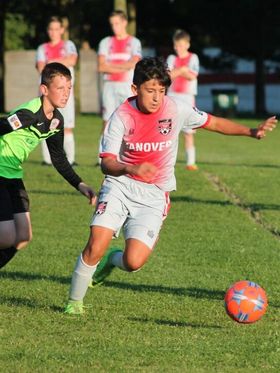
(233,91)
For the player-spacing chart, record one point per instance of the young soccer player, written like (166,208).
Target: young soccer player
(117,56)
(139,150)
(20,133)
(65,52)
(184,68)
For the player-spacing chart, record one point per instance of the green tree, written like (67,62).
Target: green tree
(17,32)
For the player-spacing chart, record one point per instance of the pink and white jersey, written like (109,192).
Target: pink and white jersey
(47,52)
(119,51)
(181,84)
(134,137)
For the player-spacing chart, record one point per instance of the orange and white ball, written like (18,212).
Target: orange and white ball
(245,302)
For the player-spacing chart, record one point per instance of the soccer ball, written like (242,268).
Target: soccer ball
(245,302)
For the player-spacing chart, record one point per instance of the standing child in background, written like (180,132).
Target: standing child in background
(117,56)
(184,67)
(65,52)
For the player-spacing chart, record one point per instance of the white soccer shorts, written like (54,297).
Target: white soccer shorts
(136,207)
(114,94)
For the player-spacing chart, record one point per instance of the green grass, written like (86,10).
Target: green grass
(223,227)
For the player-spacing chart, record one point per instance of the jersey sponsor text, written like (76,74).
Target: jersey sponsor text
(148,147)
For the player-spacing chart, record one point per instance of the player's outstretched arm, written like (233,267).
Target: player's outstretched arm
(268,125)
(228,127)
(88,192)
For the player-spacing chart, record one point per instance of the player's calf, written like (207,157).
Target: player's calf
(135,255)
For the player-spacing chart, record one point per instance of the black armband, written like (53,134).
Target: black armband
(5,126)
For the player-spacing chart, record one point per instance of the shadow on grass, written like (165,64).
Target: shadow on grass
(19,302)
(173,323)
(187,292)
(19,276)
(190,292)
(197,293)
(193,292)
(29,303)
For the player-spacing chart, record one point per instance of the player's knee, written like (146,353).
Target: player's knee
(23,240)
(132,265)
(68,131)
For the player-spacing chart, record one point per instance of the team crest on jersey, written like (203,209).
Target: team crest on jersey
(14,121)
(165,126)
(101,208)
(54,123)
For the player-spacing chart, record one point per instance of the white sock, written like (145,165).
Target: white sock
(69,147)
(80,279)
(45,153)
(117,260)
(190,156)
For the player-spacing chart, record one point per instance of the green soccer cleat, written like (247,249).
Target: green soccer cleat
(104,268)
(75,307)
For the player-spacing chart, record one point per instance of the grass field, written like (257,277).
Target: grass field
(224,226)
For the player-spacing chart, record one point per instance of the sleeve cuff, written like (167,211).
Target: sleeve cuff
(105,155)
(207,121)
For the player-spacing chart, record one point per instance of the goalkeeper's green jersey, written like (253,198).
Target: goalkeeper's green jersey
(23,130)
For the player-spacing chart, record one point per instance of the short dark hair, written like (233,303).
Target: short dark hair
(53,69)
(119,13)
(55,19)
(152,68)
(181,34)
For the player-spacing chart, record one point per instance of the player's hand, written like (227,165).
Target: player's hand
(145,171)
(88,192)
(267,125)
(184,69)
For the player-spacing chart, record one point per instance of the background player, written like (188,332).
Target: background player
(20,133)
(184,67)
(139,150)
(117,56)
(65,52)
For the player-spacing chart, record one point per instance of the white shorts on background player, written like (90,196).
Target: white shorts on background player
(114,94)
(136,206)
(186,98)
(68,111)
